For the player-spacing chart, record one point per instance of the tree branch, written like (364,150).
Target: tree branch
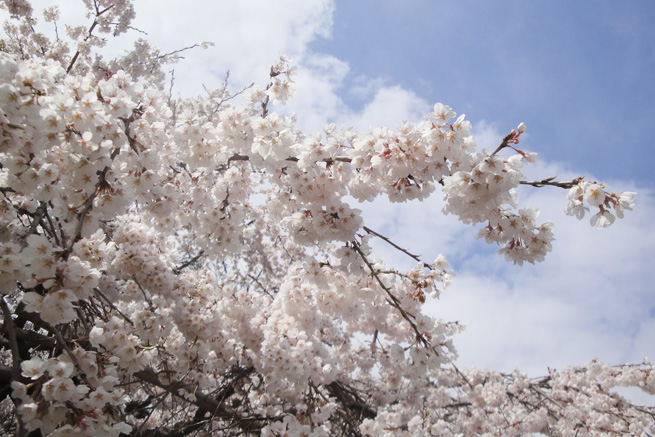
(553,183)
(10,329)
(178,270)
(213,405)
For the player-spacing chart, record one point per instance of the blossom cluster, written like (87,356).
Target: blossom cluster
(64,406)
(594,195)
(198,262)
(578,402)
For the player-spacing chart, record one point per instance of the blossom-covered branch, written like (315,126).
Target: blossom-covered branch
(171,267)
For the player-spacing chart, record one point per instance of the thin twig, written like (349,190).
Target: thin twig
(36,218)
(255,279)
(170,89)
(100,186)
(175,52)
(503,144)
(405,251)
(70,354)
(212,404)
(90,31)
(145,296)
(178,270)
(113,307)
(393,300)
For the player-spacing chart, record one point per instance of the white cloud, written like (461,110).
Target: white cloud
(317,100)
(487,136)
(390,106)
(364,88)
(248,35)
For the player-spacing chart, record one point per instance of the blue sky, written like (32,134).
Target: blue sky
(579,74)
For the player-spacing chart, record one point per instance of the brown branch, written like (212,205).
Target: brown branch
(37,218)
(255,279)
(145,295)
(351,400)
(10,329)
(100,186)
(405,251)
(72,356)
(212,405)
(224,90)
(90,31)
(178,270)
(35,339)
(175,52)
(53,231)
(112,306)
(34,318)
(265,105)
(393,300)
(553,183)
(504,143)
(77,235)
(329,161)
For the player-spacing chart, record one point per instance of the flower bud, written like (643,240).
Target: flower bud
(521,128)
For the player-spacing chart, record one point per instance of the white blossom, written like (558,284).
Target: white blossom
(200,261)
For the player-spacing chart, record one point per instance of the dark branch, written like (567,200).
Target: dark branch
(178,270)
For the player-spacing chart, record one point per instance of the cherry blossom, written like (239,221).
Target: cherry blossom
(170,267)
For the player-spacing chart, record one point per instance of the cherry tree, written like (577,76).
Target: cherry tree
(173,267)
